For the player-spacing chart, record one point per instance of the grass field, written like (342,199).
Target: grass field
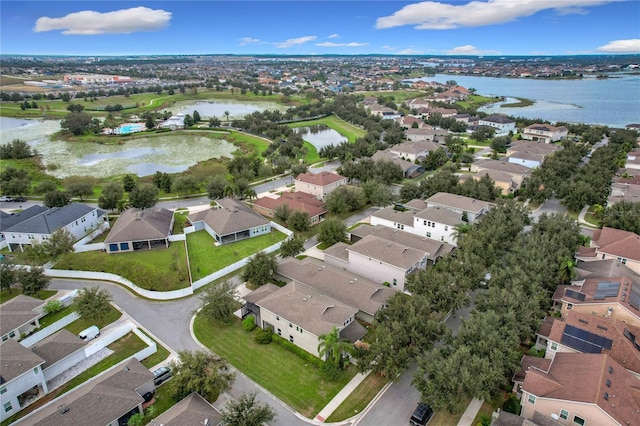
(359,398)
(83,323)
(205,258)
(296,382)
(347,130)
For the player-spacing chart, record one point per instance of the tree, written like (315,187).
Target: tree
(482,133)
(112,192)
(299,220)
(186,184)
(500,143)
(144,196)
(246,411)
(75,107)
(56,199)
(201,372)
(282,212)
(196,117)
(44,186)
(216,187)
(76,123)
(16,149)
(214,122)
(218,302)
(292,247)
(567,271)
(260,269)
(623,215)
(79,188)
(129,182)
(93,303)
(15,181)
(136,420)
(377,193)
(33,280)
(331,347)
(60,242)
(8,275)
(331,231)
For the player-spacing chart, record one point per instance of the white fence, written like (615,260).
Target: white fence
(89,247)
(117,333)
(104,276)
(177,237)
(27,342)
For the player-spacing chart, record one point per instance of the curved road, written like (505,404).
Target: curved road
(169,322)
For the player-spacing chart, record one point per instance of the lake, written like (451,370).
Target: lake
(613,102)
(320,136)
(217,108)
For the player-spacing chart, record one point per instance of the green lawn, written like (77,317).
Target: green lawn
(205,258)
(157,269)
(347,130)
(246,142)
(296,382)
(49,319)
(359,398)
(5,295)
(161,354)
(82,323)
(312,156)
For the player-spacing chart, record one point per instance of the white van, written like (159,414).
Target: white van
(90,333)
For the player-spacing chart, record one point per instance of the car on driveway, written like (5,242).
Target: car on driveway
(421,415)
(161,375)
(19,199)
(6,198)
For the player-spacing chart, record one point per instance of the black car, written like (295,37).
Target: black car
(161,375)
(19,199)
(421,415)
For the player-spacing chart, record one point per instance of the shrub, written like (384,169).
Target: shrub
(512,405)
(249,323)
(298,351)
(263,337)
(52,307)
(485,420)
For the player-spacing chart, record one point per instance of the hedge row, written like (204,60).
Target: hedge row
(298,351)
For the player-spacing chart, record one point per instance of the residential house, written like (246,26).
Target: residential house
(365,295)
(79,219)
(530,154)
(417,103)
(611,243)
(20,315)
(426,134)
(193,410)
(633,159)
(443,112)
(582,389)
(8,220)
(502,124)
(301,314)
(412,151)
(60,351)
(230,221)
(319,184)
(21,377)
(409,170)
(296,201)
(587,333)
(175,122)
(108,400)
(506,175)
(624,189)
(544,133)
(472,208)
(410,122)
(384,112)
(462,118)
(138,229)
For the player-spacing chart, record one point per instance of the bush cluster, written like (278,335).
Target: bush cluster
(249,323)
(298,351)
(263,337)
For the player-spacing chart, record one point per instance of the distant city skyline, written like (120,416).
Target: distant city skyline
(478,28)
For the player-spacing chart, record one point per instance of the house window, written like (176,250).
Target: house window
(446,228)
(428,234)
(7,407)
(442,238)
(578,420)
(124,246)
(424,222)
(113,247)
(395,281)
(291,339)
(12,334)
(290,325)
(279,332)
(5,337)
(531,399)
(569,306)
(564,414)
(277,318)
(3,389)
(622,260)
(35,371)
(554,346)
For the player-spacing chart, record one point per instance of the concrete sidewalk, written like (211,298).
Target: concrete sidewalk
(470,413)
(340,397)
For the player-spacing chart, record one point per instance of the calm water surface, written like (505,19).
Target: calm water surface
(321,136)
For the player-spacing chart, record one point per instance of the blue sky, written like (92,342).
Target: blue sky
(481,27)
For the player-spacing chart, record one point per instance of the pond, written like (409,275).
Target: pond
(217,108)
(32,131)
(320,136)
(168,152)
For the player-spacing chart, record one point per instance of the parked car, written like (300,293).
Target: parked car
(421,415)
(6,198)
(19,199)
(161,375)
(90,333)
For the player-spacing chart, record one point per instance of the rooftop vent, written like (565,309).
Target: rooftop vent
(583,321)
(606,396)
(611,370)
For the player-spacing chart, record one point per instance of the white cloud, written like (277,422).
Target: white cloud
(410,51)
(332,44)
(334,36)
(621,46)
(295,41)
(470,50)
(433,15)
(386,47)
(123,21)
(249,40)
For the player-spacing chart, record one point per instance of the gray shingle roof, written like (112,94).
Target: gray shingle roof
(458,202)
(441,215)
(16,360)
(9,220)
(392,253)
(17,312)
(389,213)
(232,216)
(57,346)
(190,411)
(141,225)
(52,219)
(503,166)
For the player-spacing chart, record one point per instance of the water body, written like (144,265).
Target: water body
(613,102)
(320,136)
(218,108)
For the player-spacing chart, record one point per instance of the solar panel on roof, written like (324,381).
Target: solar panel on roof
(606,289)
(574,295)
(584,341)
(634,298)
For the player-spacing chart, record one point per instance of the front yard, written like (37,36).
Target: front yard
(296,382)
(206,258)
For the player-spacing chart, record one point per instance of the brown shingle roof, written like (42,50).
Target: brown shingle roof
(618,243)
(296,201)
(501,165)
(16,360)
(232,216)
(320,179)
(141,225)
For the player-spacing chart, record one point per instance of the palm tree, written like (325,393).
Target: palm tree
(567,271)
(332,346)
(226,114)
(598,211)
(460,230)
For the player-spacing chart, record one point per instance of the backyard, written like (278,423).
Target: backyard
(300,384)
(206,258)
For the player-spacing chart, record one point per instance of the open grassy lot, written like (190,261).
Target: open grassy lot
(83,323)
(205,258)
(245,142)
(398,95)
(296,382)
(476,101)
(6,295)
(359,398)
(157,269)
(347,130)
(312,156)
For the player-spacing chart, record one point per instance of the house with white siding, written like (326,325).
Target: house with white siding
(502,124)
(544,133)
